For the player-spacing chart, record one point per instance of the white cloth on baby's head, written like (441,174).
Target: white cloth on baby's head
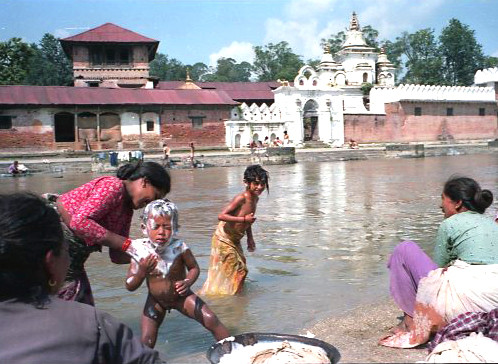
(142,248)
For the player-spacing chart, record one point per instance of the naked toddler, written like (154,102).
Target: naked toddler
(170,269)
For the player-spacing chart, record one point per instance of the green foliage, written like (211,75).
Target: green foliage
(167,69)
(197,71)
(371,36)
(461,54)
(335,41)
(490,62)
(49,65)
(15,57)
(227,70)
(423,62)
(276,61)
(365,88)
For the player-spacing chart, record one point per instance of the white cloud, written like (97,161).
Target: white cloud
(305,22)
(408,15)
(240,51)
(61,33)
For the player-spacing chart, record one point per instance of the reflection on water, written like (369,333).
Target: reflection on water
(323,235)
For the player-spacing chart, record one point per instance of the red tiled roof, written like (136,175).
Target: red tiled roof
(61,95)
(236,90)
(109,32)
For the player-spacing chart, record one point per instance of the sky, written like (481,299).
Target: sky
(204,30)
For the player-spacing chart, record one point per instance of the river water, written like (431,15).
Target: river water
(323,235)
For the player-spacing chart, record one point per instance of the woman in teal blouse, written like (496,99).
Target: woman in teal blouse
(466,238)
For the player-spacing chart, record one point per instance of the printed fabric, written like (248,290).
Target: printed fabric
(227,265)
(98,206)
(467,323)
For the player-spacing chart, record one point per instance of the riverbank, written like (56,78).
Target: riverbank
(73,161)
(355,335)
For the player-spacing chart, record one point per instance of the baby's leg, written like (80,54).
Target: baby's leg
(197,309)
(152,317)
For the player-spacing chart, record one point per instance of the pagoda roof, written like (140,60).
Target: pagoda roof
(109,33)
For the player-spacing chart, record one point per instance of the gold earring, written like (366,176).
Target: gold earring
(51,282)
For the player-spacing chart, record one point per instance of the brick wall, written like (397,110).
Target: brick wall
(401,125)
(177,128)
(13,138)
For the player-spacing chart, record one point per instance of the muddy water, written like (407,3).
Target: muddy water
(323,235)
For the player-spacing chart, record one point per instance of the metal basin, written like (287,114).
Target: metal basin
(217,350)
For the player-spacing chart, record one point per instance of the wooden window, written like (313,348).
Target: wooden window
(417,111)
(5,122)
(150,125)
(449,111)
(482,111)
(197,121)
(110,55)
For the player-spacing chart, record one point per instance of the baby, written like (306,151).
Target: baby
(170,269)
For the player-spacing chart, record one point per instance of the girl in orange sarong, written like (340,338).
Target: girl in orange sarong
(227,266)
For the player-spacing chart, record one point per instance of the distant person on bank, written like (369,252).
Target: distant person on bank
(38,327)
(192,155)
(16,169)
(463,276)
(99,213)
(166,155)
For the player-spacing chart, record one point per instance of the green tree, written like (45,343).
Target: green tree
(15,56)
(227,70)
(197,71)
(370,34)
(490,62)
(423,63)
(49,66)
(167,69)
(461,53)
(335,41)
(276,61)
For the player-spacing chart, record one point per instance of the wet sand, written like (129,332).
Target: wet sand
(355,335)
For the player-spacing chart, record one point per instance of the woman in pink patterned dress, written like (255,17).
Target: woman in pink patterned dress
(99,213)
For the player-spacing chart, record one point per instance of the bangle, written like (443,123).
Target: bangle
(126,244)
(244,218)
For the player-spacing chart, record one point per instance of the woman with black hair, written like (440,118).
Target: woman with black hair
(463,276)
(38,327)
(99,213)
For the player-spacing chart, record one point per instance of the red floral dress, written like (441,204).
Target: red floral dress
(96,207)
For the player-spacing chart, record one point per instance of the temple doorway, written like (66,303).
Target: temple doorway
(310,120)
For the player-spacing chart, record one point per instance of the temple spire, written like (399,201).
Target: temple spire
(354,24)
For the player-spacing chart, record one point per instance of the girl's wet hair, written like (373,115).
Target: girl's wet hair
(468,191)
(162,207)
(29,228)
(154,172)
(256,173)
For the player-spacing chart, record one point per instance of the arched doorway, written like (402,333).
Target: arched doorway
(87,126)
(310,120)
(64,127)
(110,127)
(237,141)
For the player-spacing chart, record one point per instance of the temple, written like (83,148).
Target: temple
(116,104)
